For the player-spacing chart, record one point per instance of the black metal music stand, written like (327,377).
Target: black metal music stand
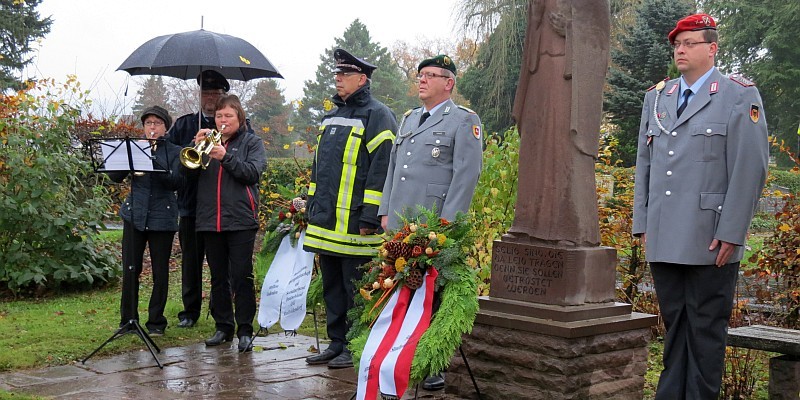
(114,152)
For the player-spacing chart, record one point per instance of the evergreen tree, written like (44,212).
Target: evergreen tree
(20,24)
(268,114)
(388,82)
(643,58)
(758,38)
(152,93)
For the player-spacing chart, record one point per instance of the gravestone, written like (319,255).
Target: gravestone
(550,327)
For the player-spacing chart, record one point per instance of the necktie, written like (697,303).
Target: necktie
(424,117)
(685,98)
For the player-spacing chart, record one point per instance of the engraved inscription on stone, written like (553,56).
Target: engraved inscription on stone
(527,272)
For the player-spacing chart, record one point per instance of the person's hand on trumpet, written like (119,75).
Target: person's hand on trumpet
(217,151)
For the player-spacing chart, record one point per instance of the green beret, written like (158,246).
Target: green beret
(441,61)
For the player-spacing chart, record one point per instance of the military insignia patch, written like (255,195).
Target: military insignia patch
(672,89)
(435,152)
(660,86)
(714,87)
(741,80)
(476,131)
(755,113)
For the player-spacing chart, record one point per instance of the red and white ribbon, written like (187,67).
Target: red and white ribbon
(389,351)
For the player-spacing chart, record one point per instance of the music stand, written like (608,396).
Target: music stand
(130,155)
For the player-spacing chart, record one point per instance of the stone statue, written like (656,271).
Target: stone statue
(558,108)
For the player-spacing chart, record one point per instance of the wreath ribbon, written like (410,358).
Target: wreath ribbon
(393,339)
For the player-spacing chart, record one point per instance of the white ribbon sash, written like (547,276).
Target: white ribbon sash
(290,269)
(389,351)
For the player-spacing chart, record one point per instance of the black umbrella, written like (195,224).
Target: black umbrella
(184,55)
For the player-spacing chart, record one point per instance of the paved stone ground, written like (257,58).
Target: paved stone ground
(275,370)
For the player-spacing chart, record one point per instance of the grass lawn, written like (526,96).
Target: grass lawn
(65,328)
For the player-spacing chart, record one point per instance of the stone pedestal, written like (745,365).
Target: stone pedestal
(550,329)
(784,377)
(514,364)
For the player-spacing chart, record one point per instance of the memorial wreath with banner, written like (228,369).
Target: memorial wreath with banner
(397,339)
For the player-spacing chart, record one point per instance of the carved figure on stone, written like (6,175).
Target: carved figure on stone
(557,108)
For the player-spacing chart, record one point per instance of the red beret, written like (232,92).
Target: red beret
(696,22)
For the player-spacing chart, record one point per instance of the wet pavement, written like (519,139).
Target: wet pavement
(276,369)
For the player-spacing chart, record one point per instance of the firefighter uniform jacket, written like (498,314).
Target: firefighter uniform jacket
(348,174)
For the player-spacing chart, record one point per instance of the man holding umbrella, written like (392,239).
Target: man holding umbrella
(212,86)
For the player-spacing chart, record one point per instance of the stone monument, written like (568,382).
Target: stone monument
(550,327)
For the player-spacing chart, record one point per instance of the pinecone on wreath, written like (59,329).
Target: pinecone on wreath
(414,278)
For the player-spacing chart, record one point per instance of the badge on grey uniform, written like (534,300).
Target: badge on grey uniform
(435,152)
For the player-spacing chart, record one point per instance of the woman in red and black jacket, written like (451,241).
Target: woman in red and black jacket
(227,220)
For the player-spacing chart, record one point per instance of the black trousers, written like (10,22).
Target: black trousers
(133,245)
(339,278)
(193,251)
(230,258)
(696,303)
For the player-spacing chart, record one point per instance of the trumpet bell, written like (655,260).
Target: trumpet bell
(191,158)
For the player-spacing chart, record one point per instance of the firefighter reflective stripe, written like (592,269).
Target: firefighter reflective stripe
(372,197)
(312,187)
(348,180)
(342,121)
(350,155)
(345,197)
(343,243)
(377,140)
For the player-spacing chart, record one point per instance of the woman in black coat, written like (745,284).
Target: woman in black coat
(227,220)
(150,216)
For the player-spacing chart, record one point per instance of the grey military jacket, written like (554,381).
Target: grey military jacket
(436,164)
(700,177)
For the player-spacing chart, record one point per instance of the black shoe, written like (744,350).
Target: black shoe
(155,332)
(322,358)
(344,360)
(435,382)
(245,344)
(186,323)
(219,338)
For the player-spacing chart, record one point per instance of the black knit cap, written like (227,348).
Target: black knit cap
(213,80)
(160,113)
(441,61)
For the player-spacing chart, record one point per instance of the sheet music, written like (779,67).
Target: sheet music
(115,155)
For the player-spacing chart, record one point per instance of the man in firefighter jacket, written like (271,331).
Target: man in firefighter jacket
(347,178)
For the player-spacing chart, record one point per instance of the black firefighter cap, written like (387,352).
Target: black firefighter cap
(441,61)
(346,62)
(213,80)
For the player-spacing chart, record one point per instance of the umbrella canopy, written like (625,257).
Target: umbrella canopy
(184,55)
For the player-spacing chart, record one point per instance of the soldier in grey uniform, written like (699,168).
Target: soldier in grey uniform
(700,169)
(436,157)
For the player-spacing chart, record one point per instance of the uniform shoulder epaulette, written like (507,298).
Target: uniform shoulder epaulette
(658,83)
(467,110)
(741,80)
(407,113)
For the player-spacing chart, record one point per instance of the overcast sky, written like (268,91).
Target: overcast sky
(91,38)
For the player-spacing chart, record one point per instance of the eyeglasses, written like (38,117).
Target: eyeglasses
(154,123)
(430,75)
(689,45)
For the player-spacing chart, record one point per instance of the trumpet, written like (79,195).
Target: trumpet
(192,157)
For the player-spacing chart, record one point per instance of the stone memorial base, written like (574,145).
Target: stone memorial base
(784,377)
(570,357)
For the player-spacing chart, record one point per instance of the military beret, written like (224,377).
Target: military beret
(158,112)
(210,79)
(441,61)
(696,22)
(346,62)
